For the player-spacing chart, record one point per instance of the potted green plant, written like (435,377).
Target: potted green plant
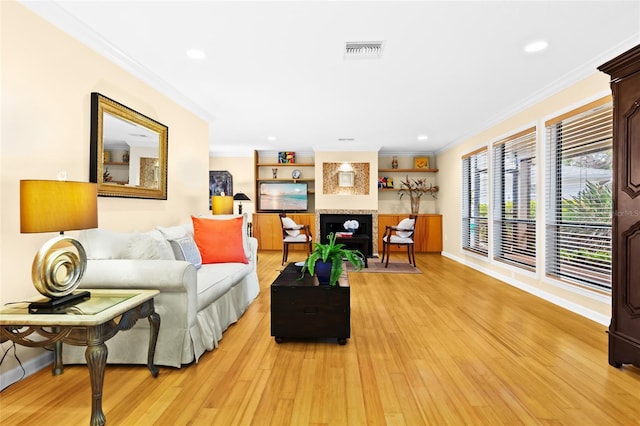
(326,260)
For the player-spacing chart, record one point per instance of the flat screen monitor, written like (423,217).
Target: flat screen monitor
(283,196)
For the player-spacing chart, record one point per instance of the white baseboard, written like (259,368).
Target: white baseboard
(555,299)
(31,366)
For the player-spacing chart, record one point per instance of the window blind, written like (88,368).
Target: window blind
(514,196)
(475,202)
(579,196)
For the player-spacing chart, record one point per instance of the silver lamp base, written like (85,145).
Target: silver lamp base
(56,272)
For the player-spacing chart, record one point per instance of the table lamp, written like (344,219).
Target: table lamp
(50,206)
(222,204)
(241,196)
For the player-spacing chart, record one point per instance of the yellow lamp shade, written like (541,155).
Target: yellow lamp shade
(57,206)
(222,204)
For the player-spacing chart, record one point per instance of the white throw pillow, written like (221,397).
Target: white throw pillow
(163,246)
(287,222)
(405,224)
(103,244)
(144,246)
(177,231)
(185,248)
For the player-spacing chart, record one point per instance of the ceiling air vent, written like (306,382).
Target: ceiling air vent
(363,49)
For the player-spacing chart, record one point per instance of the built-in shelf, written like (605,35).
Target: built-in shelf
(285,165)
(114,163)
(408,170)
(285,180)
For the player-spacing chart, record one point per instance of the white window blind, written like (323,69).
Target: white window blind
(579,195)
(514,195)
(475,202)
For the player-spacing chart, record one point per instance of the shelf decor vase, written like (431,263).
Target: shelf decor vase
(323,272)
(415,205)
(394,162)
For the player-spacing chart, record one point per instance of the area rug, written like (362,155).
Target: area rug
(394,268)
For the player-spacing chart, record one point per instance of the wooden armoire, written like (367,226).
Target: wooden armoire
(624,330)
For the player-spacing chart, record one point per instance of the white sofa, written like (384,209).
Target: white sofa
(195,304)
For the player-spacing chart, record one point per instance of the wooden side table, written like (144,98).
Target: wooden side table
(89,323)
(305,309)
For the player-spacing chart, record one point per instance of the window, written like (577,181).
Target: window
(475,202)
(579,195)
(514,196)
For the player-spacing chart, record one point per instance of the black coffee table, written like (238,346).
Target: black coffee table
(304,309)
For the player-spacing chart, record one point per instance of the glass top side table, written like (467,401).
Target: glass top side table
(89,323)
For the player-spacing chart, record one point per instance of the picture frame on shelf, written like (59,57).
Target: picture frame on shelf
(286,157)
(420,162)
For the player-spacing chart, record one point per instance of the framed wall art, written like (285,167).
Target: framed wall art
(220,183)
(345,178)
(420,162)
(286,157)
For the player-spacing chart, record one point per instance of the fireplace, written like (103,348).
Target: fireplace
(333,222)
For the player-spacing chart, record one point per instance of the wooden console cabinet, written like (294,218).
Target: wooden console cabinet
(268,230)
(428,231)
(624,331)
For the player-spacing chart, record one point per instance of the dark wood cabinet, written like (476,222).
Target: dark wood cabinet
(624,331)
(305,309)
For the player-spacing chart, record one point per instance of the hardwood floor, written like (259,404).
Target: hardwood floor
(449,346)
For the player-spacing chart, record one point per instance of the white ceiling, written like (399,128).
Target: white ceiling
(449,68)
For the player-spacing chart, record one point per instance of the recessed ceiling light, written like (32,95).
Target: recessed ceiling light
(423,137)
(196,54)
(536,46)
(271,138)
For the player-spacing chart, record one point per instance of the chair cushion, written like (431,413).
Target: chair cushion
(405,224)
(287,222)
(301,238)
(395,239)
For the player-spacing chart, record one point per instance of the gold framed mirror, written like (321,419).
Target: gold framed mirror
(128,151)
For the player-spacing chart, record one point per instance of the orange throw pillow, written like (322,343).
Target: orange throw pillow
(219,241)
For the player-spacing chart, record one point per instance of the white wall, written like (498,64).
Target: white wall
(46,81)
(589,303)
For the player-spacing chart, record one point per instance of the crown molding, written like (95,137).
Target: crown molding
(563,82)
(57,15)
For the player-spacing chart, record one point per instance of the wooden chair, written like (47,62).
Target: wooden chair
(292,233)
(400,235)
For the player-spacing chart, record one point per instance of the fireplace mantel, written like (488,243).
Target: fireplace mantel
(346,212)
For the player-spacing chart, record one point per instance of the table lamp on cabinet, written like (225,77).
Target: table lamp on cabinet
(58,206)
(222,204)
(240,197)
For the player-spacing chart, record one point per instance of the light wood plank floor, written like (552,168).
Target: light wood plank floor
(450,346)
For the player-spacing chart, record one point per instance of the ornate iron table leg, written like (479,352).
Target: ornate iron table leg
(58,366)
(154,324)
(96,356)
